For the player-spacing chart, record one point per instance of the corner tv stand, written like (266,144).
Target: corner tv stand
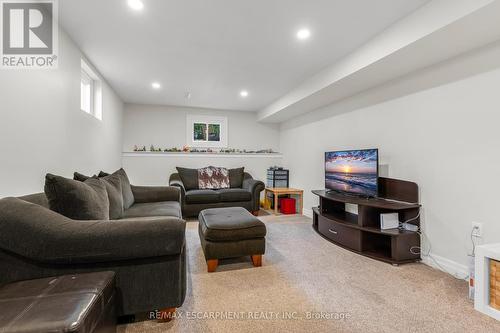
(361,233)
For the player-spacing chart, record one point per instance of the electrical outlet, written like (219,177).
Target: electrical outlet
(477,229)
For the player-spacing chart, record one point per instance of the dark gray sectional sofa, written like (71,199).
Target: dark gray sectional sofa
(146,248)
(194,200)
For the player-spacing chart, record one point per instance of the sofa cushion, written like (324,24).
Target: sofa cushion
(166,208)
(202,197)
(213,178)
(77,200)
(189,178)
(236,177)
(37,199)
(128,196)
(230,224)
(234,195)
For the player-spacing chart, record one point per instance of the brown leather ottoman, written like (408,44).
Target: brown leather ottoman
(83,303)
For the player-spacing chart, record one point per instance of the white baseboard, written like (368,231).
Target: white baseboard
(459,271)
(451,267)
(307,212)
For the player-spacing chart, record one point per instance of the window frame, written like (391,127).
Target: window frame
(86,80)
(88,77)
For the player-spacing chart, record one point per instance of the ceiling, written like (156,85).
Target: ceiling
(214,49)
(434,36)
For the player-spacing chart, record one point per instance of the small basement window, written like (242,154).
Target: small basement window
(90,91)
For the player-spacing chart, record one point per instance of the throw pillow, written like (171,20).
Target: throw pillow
(236,177)
(114,188)
(189,178)
(115,195)
(81,177)
(77,200)
(213,178)
(128,196)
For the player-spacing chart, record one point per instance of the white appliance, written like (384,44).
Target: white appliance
(389,221)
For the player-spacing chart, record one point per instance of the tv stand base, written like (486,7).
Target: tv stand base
(361,233)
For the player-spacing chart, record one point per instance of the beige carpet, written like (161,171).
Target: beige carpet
(304,273)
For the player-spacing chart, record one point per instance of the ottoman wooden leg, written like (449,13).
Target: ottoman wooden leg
(166,315)
(257,260)
(212,265)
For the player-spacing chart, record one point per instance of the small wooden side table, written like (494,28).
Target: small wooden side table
(277,191)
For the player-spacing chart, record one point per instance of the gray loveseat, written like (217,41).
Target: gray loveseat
(146,248)
(244,192)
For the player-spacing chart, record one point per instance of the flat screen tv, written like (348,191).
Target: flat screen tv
(352,171)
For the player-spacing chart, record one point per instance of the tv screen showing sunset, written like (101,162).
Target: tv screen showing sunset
(353,171)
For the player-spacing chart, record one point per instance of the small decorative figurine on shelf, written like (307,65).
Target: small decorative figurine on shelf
(152,148)
(172,150)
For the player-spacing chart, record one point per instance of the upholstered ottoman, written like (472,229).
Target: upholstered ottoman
(229,233)
(82,303)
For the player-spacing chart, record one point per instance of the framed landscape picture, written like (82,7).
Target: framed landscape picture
(206,131)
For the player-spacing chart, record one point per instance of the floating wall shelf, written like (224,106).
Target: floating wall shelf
(200,155)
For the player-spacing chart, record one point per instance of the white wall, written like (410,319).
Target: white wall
(165,126)
(155,169)
(446,139)
(43,130)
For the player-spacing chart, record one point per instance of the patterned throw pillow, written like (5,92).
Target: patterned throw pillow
(213,178)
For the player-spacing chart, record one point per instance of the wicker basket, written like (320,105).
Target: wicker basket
(495,284)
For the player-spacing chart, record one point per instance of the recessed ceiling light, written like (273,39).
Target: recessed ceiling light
(243,93)
(156,85)
(135,4)
(303,34)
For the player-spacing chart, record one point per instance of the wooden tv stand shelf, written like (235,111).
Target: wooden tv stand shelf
(361,232)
